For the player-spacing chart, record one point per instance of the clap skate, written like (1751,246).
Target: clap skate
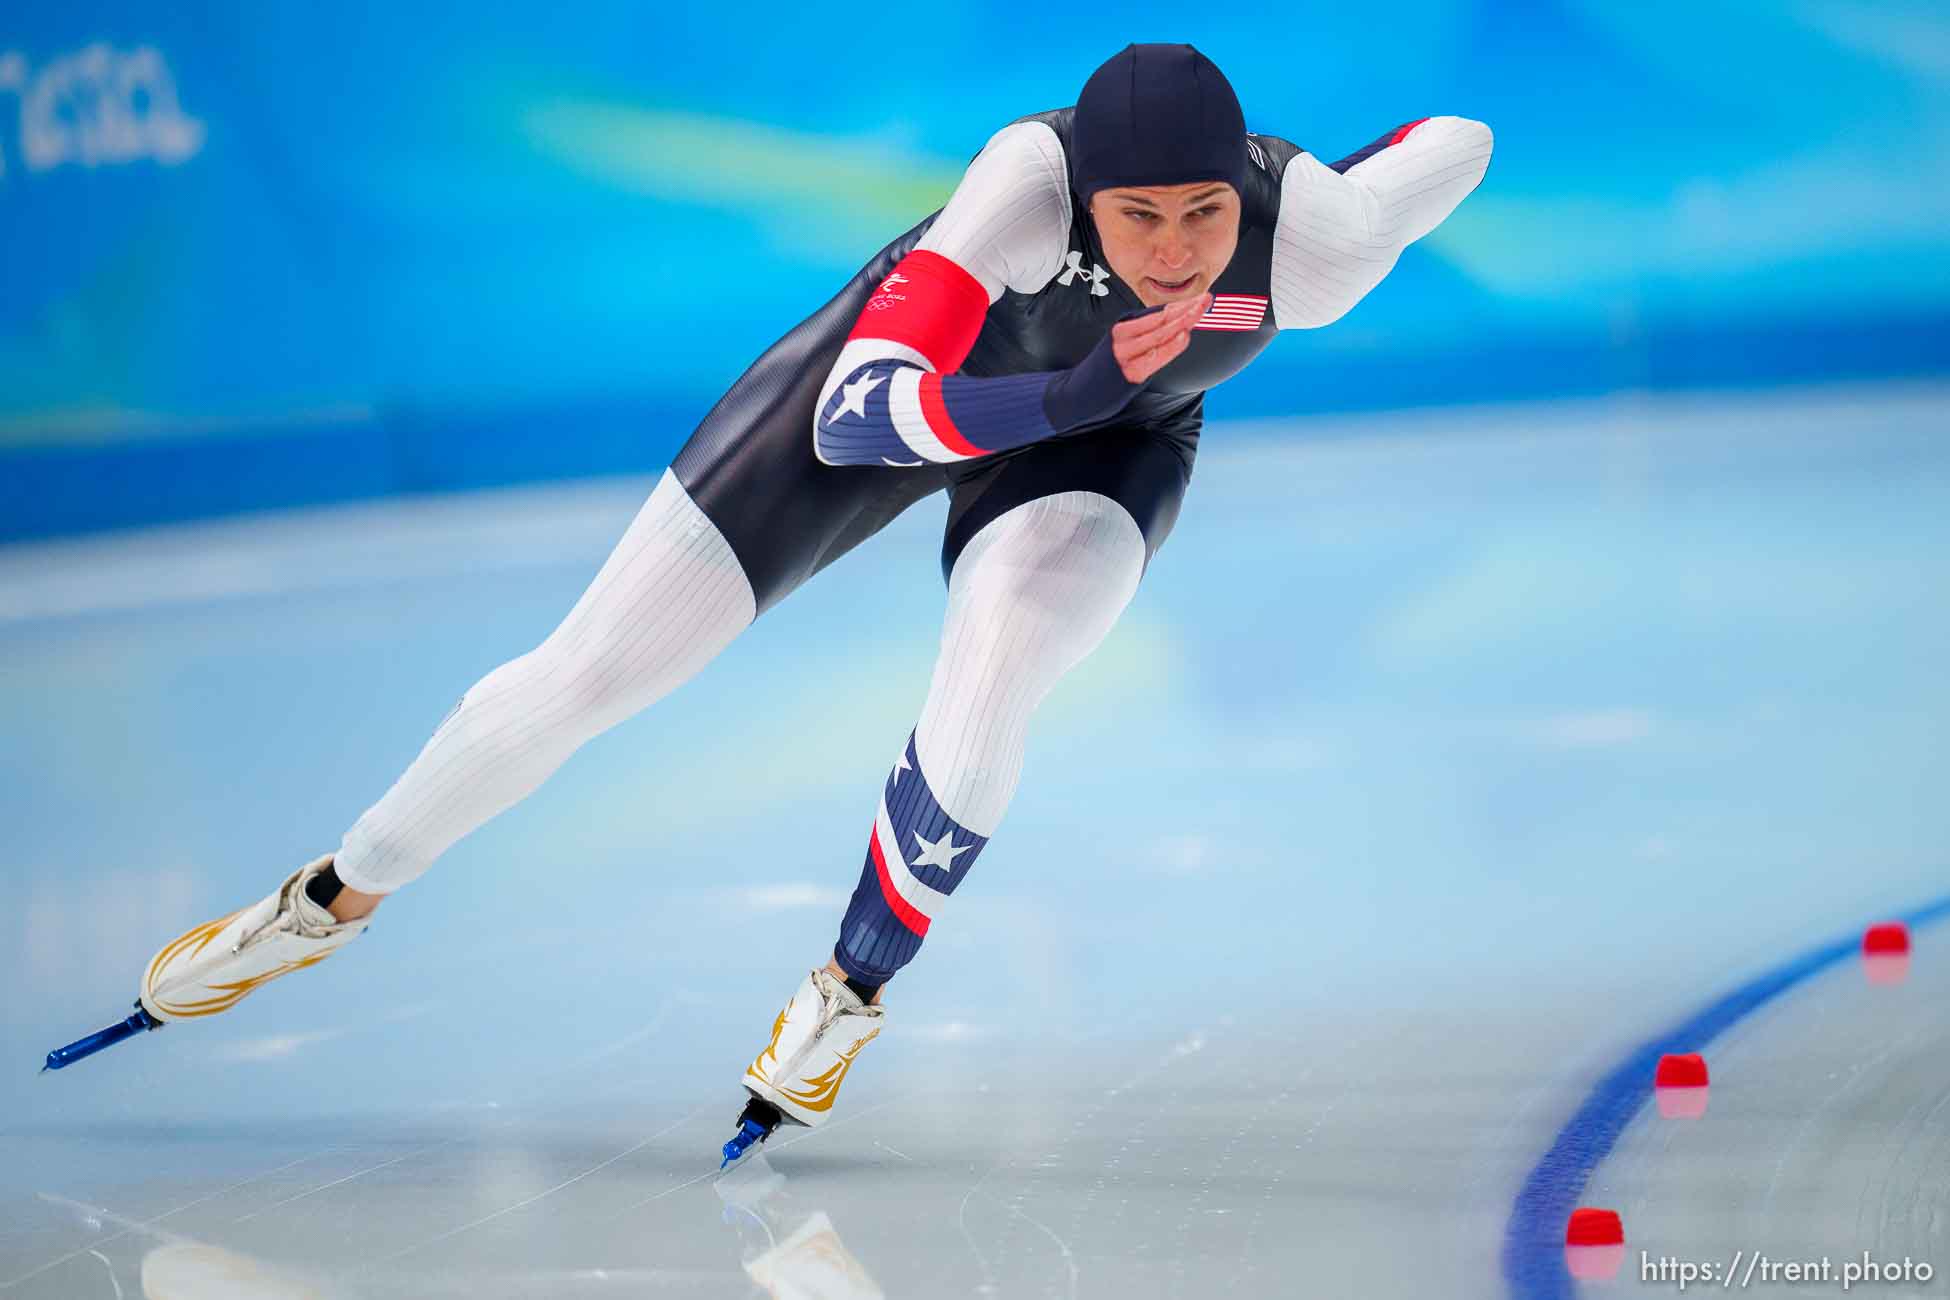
(216,965)
(797,1077)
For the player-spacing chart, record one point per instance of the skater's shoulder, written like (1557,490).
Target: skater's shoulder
(1035,146)
(1267,157)
(1010,218)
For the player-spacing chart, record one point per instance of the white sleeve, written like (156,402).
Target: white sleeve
(1339,233)
(1008,221)
(1007,225)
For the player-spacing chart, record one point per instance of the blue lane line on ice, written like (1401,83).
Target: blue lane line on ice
(1533,1241)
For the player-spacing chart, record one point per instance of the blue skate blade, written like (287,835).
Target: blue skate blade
(748,1132)
(82,1048)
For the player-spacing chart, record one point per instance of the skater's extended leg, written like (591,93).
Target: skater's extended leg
(1029,596)
(670,597)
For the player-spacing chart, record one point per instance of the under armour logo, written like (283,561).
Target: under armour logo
(1097,274)
(891,281)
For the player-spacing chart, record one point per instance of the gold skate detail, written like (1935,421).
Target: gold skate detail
(758,1065)
(825,1088)
(200,936)
(232,994)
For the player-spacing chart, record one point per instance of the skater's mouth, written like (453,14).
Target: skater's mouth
(1173,286)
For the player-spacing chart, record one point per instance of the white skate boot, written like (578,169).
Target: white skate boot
(798,1075)
(814,1041)
(215,965)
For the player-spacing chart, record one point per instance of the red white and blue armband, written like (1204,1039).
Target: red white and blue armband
(898,401)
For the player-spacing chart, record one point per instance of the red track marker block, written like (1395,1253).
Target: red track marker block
(1681,1071)
(1589,1227)
(1679,1086)
(1594,1245)
(1885,953)
(1888,937)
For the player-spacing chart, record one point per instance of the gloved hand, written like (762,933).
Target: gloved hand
(1138,346)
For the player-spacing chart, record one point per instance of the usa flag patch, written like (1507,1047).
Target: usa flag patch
(1233,311)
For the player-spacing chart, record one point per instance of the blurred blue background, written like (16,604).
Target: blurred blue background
(272,254)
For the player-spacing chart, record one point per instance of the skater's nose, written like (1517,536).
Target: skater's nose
(1173,251)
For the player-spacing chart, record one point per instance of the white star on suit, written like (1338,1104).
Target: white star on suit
(939,853)
(853,396)
(901,765)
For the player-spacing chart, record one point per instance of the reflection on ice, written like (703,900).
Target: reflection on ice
(791,1250)
(187,1270)
(179,1267)
(1681,1103)
(1594,1263)
(1886,967)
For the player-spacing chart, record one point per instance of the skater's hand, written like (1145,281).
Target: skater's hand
(1137,347)
(1149,343)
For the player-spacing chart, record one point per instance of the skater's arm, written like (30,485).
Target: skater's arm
(896,413)
(893,397)
(1343,224)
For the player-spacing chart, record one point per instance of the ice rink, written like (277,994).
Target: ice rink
(1447,769)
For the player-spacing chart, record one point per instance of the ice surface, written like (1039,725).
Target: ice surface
(1440,761)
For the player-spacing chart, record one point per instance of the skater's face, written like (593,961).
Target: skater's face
(1167,242)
